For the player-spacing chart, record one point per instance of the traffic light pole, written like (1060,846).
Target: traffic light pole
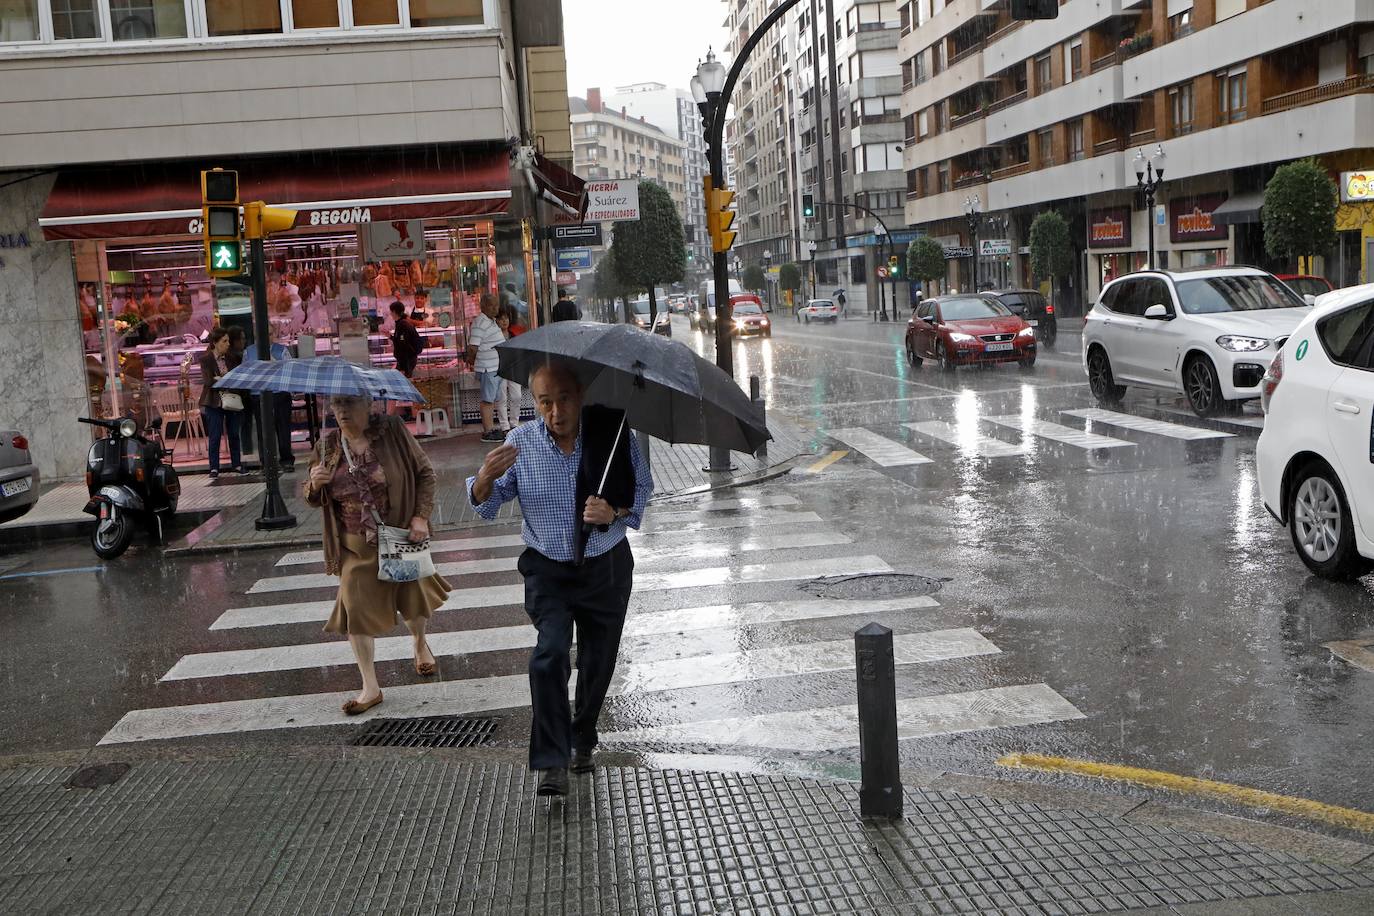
(882,297)
(275,516)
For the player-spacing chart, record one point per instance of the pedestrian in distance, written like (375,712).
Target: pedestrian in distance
(565,309)
(511,394)
(282,401)
(554,466)
(483,338)
(370,467)
(222,411)
(406,345)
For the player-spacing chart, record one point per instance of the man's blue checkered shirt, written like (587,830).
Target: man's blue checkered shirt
(545,481)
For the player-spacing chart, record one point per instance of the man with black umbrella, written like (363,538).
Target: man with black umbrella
(578,567)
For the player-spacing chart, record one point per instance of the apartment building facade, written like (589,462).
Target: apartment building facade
(351,113)
(675,112)
(1053,114)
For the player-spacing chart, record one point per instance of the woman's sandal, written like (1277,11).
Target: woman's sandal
(354,708)
(426,669)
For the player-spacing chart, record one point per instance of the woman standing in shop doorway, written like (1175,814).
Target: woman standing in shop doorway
(214,364)
(372,463)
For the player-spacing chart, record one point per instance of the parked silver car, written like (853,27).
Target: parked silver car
(18,476)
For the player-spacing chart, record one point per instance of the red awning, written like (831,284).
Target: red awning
(560,187)
(333,188)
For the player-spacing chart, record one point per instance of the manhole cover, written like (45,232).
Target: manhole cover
(93,777)
(875,585)
(433,731)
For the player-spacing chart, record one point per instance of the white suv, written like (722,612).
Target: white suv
(1208,334)
(1315,458)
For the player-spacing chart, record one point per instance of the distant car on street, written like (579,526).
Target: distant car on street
(1207,334)
(748,318)
(1305,285)
(639,313)
(1315,458)
(704,318)
(819,310)
(18,476)
(1034,308)
(964,330)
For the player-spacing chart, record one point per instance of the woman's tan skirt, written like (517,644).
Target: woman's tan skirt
(366,605)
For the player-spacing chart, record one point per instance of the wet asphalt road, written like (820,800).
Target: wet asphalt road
(1139,583)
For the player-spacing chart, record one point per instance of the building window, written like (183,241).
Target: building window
(1076,140)
(314,14)
(73,20)
(19,21)
(1075,60)
(1044,142)
(923,124)
(1181,109)
(435,13)
(376,12)
(1181,25)
(1044,77)
(944,177)
(140,20)
(1232,96)
(245,17)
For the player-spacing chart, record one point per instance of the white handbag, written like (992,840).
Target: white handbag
(399,559)
(231,400)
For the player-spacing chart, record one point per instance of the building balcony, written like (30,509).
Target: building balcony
(957,141)
(1012,47)
(1016,98)
(954,79)
(1141,137)
(1021,186)
(1011,171)
(1072,100)
(1354,85)
(1104,147)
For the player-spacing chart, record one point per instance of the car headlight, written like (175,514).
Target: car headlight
(1026,332)
(1237,344)
(739,322)
(764,322)
(960,337)
(128,428)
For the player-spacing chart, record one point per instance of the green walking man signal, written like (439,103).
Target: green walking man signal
(226,257)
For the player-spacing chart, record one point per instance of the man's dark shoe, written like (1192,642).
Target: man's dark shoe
(581,762)
(554,783)
(493,435)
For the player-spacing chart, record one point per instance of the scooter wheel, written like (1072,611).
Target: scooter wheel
(111,537)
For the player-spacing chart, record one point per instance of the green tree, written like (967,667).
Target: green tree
(605,285)
(925,260)
(653,250)
(1051,251)
(1300,204)
(754,279)
(790,276)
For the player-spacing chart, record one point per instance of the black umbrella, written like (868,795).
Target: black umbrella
(665,389)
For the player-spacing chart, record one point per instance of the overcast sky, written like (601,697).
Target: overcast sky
(616,42)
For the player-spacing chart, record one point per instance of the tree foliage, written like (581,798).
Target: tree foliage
(754,279)
(605,284)
(1051,251)
(1300,204)
(925,260)
(790,276)
(651,251)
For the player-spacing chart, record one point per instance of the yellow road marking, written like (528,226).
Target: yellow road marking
(826,462)
(1306,808)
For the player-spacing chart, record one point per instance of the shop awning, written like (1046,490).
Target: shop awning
(1240,208)
(329,189)
(557,186)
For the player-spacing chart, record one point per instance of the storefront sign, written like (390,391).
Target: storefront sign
(616,200)
(588,236)
(566,278)
(1190,219)
(10,241)
(953,252)
(1357,186)
(574,259)
(1110,228)
(994,248)
(393,240)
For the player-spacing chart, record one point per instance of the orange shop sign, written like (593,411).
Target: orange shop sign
(1190,219)
(1110,228)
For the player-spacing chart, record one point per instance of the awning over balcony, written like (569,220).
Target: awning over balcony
(330,188)
(1239,208)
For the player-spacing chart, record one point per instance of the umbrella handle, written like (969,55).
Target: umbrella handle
(607,473)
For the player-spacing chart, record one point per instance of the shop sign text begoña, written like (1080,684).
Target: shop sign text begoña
(343,217)
(614,201)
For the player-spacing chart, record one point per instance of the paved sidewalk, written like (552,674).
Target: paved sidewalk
(677,472)
(338,830)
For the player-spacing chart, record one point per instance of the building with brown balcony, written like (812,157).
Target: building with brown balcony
(1052,114)
(611,143)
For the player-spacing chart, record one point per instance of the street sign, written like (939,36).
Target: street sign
(882,272)
(587,236)
(574,259)
(613,201)
(566,278)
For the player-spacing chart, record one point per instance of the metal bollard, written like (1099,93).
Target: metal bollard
(762,452)
(880,792)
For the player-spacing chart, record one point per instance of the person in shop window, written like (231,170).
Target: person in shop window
(406,345)
(522,310)
(483,338)
(510,394)
(219,423)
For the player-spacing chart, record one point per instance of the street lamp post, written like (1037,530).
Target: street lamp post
(1149,175)
(711,88)
(973,210)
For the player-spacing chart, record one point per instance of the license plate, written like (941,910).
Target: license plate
(15,487)
(997,347)
(1033,323)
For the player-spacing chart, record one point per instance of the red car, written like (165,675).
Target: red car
(965,330)
(1305,285)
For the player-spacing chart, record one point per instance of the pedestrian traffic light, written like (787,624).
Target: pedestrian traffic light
(808,206)
(719,217)
(894,267)
(1025,10)
(219,223)
(260,220)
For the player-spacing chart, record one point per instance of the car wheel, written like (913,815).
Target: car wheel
(946,359)
(1203,388)
(911,354)
(1028,362)
(1320,524)
(1101,381)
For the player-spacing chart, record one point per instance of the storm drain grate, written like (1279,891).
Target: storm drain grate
(433,731)
(874,585)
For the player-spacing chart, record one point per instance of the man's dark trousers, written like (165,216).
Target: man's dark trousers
(594,597)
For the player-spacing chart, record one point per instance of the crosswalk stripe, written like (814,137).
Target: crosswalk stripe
(753,520)
(1056,432)
(438,545)
(1146,425)
(1247,420)
(499,595)
(967,439)
(687,512)
(837,727)
(725,617)
(512,691)
(880,450)
(651,556)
